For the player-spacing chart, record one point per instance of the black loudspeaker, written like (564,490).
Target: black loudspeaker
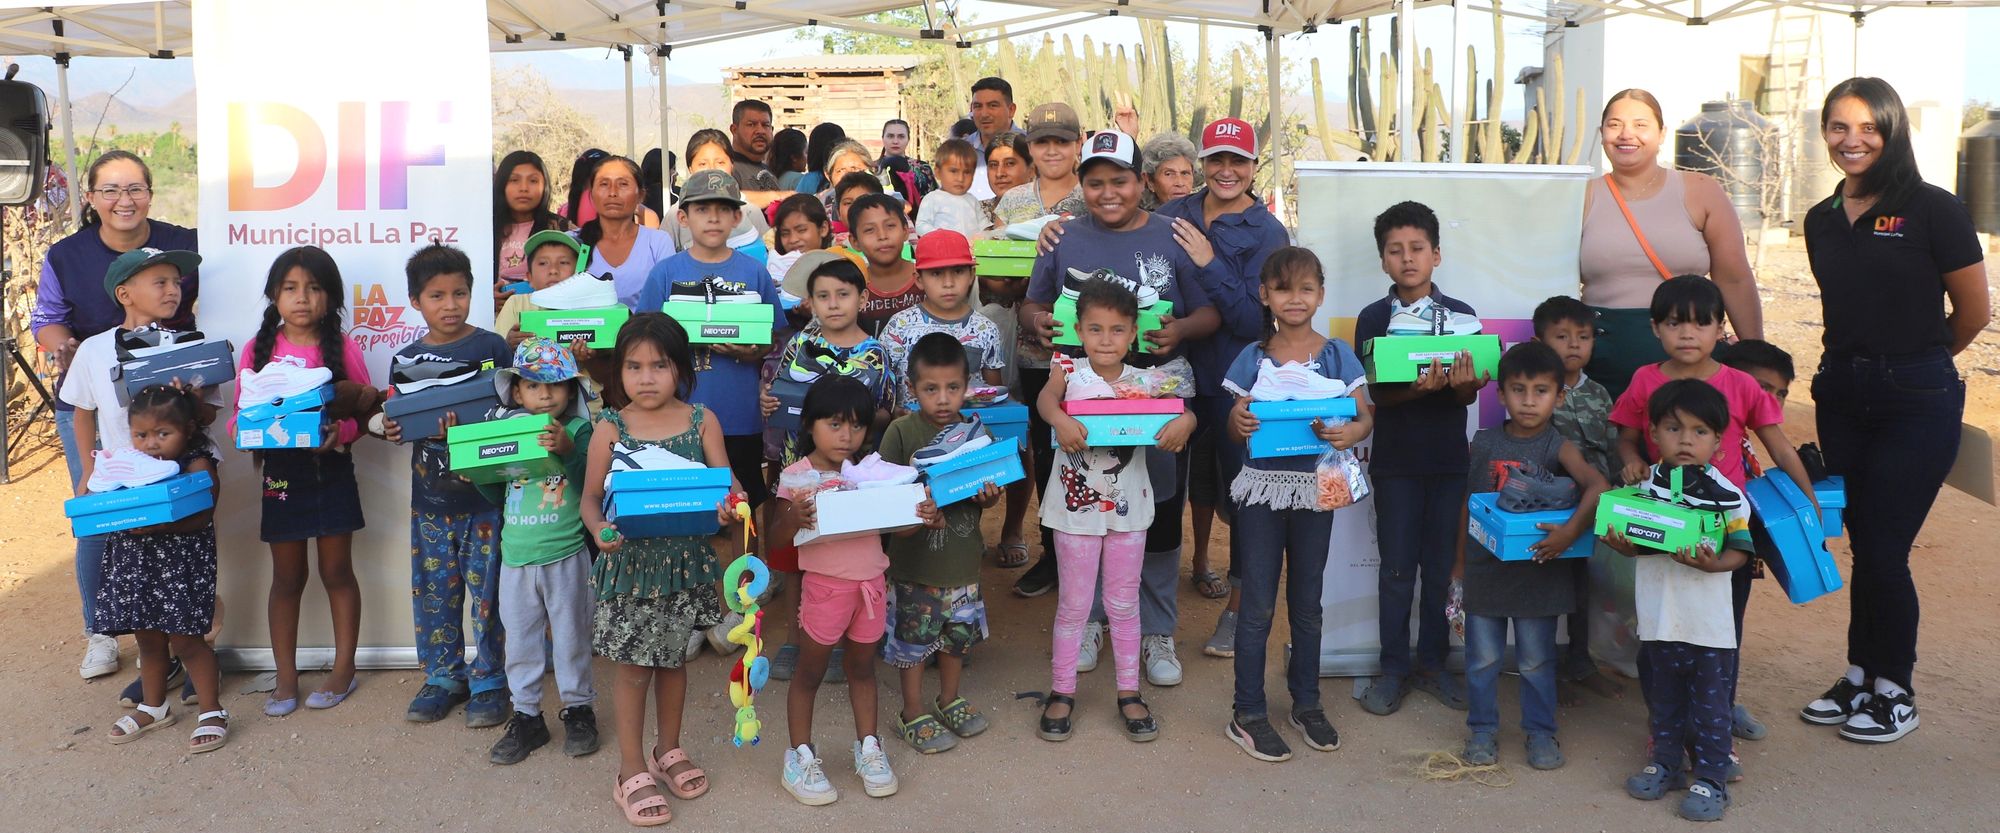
(24,142)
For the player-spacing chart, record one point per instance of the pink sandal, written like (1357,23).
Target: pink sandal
(678,784)
(623,792)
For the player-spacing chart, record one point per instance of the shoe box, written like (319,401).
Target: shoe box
(1113,422)
(155,503)
(791,396)
(1802,564)
(666,502)
(708,323)
(204,364)
(1013,259)
(1508,535)
(856,513)
(421,414)
(295,421)
(1005,421)
(1832,494)
(598,326)
(1400,358)
(502,450)
(1149,320)
(1656,524)
(1285,429)
(963,476)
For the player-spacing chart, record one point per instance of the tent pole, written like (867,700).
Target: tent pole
(73,209)
(1407,116)
(631,130)
(1456,146)
(666,170)
(1274,132)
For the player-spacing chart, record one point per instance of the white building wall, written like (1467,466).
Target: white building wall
(1919,51)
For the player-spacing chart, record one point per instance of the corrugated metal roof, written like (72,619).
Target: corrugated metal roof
(829,63)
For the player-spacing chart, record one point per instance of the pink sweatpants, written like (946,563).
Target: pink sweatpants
(1122,554)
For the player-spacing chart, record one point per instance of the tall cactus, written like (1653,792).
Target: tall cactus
(1204,84)
(1236,83)
(1528,136)
(1496,90)
(1466,117)
(1558,124)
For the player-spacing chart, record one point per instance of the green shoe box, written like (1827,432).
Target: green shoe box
(1656,524)
(502,450)
(1003,258)
(1149,320)
(723,323)
(1399,358)
(600,326)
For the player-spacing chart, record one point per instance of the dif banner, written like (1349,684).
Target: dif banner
(363,128)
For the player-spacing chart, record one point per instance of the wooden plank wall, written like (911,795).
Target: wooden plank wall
(857,101)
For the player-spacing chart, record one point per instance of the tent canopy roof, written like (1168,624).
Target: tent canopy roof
(160,28)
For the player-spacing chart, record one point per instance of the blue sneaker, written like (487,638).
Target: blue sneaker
(488,708)
(433,702)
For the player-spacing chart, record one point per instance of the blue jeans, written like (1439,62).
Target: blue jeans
(1416,530)
(1534,657)
(89,550)
(455,559)
(1262,541)
(1890,425)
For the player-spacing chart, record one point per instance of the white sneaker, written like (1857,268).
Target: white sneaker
(1293,380)
(718,636)
(1163,667)
(284,376)
(872,764)
(1885,717)
(805,779)
(579,291)
(100,656)
(695,641)
(127,468)
(1093,642)
(1420,320)
(644,458)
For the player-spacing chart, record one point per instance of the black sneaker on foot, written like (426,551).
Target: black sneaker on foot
(579,731)
(525,733)
(1258,739)
(1839,703)
(1318,730)
(1039,579)
(1884,718)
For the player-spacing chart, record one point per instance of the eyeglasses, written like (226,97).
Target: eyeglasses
(113,192)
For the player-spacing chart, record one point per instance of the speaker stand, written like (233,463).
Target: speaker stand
(12,359)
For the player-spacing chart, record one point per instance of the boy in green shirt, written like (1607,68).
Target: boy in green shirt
(544,564)
(934,602)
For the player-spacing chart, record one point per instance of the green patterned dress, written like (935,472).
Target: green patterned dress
(655,594)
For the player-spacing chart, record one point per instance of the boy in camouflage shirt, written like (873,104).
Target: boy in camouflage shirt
(1583,417)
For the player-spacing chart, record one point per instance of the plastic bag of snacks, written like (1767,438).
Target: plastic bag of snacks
(1340,481)
(1454,608)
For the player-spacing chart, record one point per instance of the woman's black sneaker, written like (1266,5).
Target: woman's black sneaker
(1318,730)
(525,734)
(1258,739)
(1039,579)
(1884,718)
(579,731)
(1839,703)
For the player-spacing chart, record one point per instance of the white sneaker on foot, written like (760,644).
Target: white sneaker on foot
(100,656)
(1886,717)
(805,779)
(872,764)
(1093,643)
(1163,666)
(718,636)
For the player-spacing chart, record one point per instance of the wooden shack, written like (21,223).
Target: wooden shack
(857,92)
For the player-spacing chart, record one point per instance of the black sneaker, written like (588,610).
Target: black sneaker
(176,675)
(414,373)
(1839,703)
(525,733)
(1258,739)
(149,341)
(1318,730)
(813,360)
(579,731)
(711,289)
(1884,718)
(1039,579)
(1698,490)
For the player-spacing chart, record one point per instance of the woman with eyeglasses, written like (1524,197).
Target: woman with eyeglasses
(72,306)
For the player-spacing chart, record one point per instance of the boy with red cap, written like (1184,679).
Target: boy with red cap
(944,273)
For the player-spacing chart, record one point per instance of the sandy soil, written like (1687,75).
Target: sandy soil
(362,767)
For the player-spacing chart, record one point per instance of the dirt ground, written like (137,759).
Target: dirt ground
(362,767)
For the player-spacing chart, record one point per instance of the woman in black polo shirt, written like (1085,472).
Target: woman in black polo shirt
(1886,249)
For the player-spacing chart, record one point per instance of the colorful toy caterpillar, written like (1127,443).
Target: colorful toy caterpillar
(747,578)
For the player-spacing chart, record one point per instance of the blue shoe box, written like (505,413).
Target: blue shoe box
(791,396)
(1509,534)
(1005,421)
(1802,564)
(202,365)
(1832,494)
(264,412)
(666,502)
(963,476)
(1107,430)
(298,429)
(155,503)
(421,415)
(1285,428)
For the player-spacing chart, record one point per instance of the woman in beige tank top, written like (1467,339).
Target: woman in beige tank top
(1686,218)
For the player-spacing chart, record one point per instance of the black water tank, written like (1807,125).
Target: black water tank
(1979,172)
(1730,142)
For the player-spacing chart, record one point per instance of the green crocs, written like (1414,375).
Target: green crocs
(926,735)
(959,716)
